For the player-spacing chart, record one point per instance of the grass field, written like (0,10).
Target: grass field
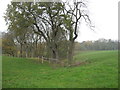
(100,72)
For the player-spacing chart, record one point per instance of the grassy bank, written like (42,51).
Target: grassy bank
(100,72)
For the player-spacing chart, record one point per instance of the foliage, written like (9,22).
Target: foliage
(8,46)
(42,18)
(101,44)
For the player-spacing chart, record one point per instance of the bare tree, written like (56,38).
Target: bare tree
(75,12)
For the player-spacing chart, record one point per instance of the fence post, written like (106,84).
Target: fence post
(49,60)
(42,59)
(38,58)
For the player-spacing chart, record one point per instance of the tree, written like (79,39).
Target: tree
(75,13)
(101,44)
(8,46)
(43,17)
(56,23)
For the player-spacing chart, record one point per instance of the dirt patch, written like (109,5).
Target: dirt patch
(62,64)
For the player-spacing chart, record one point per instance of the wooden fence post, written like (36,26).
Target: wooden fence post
(42,59)
(49,60)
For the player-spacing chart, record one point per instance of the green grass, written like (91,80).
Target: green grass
(101,72)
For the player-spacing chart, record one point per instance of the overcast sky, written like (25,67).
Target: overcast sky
(103,13)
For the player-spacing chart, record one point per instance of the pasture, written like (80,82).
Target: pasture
(99,71)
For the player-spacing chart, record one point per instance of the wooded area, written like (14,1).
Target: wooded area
(47,29)
(44,29)
(101,44)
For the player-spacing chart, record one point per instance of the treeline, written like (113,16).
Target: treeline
(31,46)
(35,46)
(44,29)
(101,44)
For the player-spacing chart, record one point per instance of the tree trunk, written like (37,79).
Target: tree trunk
(27,53)
(54,49)
(70,52)
(55,54)
(21,52)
